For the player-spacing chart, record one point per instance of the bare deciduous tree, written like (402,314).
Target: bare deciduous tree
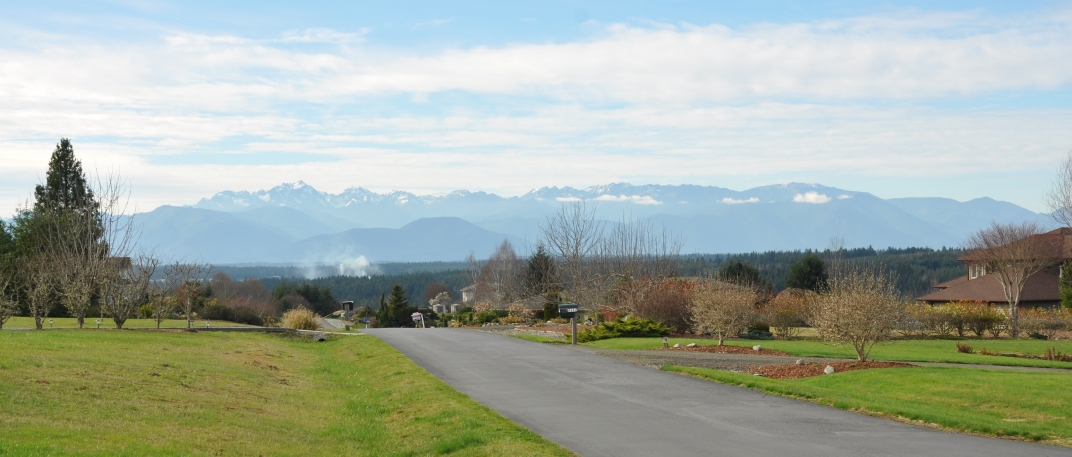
(1011,254)
(598,262)
(37,272)
(722,309)
(574,235)
(8,300)
(860,308)
(1059,198)
(501,278)
(127,286)
(184,282)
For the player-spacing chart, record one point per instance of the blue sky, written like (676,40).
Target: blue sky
(185,99)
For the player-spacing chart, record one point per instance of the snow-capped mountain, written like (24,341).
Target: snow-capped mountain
(711,219)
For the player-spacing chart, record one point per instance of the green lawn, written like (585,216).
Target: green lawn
(539,338)
(901,350)
(1028,405)
(164,393)
(107,322)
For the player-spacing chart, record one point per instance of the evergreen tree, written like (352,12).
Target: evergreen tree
(383,318)
(398,308)
(743,273)
(809,272)
(65,184)
(540,272)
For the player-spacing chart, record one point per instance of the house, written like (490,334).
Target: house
(1041,290)
(468,293)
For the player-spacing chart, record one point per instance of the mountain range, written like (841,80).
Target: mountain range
(294,222)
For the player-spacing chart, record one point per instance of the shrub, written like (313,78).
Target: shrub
(300,319)
(961,347)
(786,312)
(487,317)
(860,309)
(663,300)
(550,311)
(722,309)
(1043,322)
(624,328)
(218,312)
(146,311)
(511,319)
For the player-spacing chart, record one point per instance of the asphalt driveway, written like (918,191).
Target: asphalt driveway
(599,406)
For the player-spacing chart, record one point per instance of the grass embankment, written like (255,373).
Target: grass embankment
(539,338)
(107,322)
(942,351)
(173,393)
(1030,405)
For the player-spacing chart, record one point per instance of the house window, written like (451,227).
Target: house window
(975,271)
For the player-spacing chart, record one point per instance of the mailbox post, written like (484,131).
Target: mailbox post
(569,310)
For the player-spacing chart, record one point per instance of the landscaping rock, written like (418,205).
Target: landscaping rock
(828,370)
(800,361)
(677,345)
(690,345)
(757,347)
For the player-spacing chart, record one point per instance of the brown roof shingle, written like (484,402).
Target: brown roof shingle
(1042,287)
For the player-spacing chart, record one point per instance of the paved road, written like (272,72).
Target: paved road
(598,406)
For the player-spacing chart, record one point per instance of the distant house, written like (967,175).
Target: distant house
(1041,289)
(468,293)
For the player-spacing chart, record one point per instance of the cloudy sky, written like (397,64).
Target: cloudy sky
(185,99)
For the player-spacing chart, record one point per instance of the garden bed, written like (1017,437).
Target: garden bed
(808,370)
(728,350)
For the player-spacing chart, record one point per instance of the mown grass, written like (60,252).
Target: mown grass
(1029,405)
(91,323)
(941,351)
(539,338)
(177,393)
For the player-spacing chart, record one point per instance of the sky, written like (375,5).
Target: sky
(951,99)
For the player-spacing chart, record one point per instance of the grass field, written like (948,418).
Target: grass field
(1030,405)
(540,338)
(91,322)
(176,393)
(902,350)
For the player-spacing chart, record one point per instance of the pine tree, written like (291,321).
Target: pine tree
(65,184)
(398,307)
(744,274)
(808,273)
(540,272)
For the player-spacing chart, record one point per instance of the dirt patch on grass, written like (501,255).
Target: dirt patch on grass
(728,350)
(808,370)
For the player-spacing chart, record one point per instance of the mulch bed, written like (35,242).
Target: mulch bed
(727,350)
(815,369)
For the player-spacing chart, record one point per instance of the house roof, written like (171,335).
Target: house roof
(951,282)
(1042,286)
(1060,240)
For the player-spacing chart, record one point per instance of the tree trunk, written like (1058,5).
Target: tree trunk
(1014,310)
(721,338)
(81,321)
(37,322)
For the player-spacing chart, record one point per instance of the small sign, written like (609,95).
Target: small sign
(567,310)
(417,316)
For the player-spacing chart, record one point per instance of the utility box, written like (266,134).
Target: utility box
(567,310)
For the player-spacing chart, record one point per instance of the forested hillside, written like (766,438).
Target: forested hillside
(916,270)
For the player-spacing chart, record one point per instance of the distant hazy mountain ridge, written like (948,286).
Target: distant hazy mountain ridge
(295,222)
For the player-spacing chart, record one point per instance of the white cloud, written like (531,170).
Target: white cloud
(801,105)
(844,197)
(567,199)
(635,199)
(811,197)
(733,201)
